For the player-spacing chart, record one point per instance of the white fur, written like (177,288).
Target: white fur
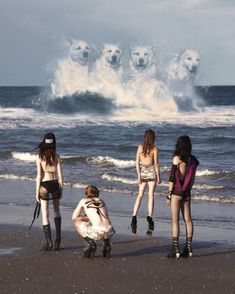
(107,73)
(72,73)
(142,62)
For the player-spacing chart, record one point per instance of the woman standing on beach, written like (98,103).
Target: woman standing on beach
(47,184)
(181,181)
(148,172)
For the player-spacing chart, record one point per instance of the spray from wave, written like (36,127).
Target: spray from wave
(126,85)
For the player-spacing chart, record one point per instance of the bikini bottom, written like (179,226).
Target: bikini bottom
(48,188)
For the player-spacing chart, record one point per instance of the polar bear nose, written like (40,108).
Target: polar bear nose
(194,68)
(85,54)
(114,58)
(141,60)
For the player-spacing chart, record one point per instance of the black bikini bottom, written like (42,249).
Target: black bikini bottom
(53,188)
(185,194)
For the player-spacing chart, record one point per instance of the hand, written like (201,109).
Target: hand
(159,181)
(37,198)
(168,201)
(139,180)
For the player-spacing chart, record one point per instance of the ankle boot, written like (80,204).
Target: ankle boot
(175,252)
(58,233)
(89,252)
(47,231)
(134,224)
(106,248)
(150,223)
(188,252)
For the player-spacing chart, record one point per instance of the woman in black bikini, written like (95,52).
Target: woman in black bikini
(181,181)
(49,186)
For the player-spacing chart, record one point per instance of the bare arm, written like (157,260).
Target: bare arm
(39,177)
(59,172)
(77,211)
(137,164)
(157,165)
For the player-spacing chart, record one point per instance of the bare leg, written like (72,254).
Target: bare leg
(56,207)
(175,209)
(45,212)
(152,185)
(186,211)
(139,198)
(78,226)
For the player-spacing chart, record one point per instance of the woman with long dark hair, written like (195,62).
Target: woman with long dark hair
(49,186)
(181,181)
(148,172)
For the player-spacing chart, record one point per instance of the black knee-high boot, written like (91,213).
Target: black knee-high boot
(89,252)
(107,248)
(150,223)
(134,224)
(175,252)
(58,232)
(47,231)
(188,252)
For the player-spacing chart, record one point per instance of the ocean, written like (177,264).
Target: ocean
(98,138)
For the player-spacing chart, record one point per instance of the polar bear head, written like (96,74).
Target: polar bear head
(112,55)
(142,57)
(190,60)
(80,52)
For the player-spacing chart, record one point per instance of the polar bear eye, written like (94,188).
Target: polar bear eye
(197,59)
(136,53)
(146,54)
(79,48)
(109,50)
(88,48)
(189,58)
(117,51)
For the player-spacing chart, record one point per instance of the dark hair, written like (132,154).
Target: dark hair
(149,138)
(47,149)
(183,148)
(92,191)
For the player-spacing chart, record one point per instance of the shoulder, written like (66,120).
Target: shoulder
(176,160)
(140,148)
(38,159)
(155,149)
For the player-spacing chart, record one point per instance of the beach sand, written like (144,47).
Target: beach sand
(138,265)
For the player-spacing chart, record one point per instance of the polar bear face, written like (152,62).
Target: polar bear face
(112,55)
(142,57)
(190,61)
(80,52)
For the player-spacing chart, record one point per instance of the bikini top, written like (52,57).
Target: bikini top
(96,205)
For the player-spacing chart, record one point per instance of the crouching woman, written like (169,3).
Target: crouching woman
(92,222)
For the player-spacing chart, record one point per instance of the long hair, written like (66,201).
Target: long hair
(48,155)
(183,148)
(149,138)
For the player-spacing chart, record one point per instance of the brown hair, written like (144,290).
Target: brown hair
(149,138)
(48,155)
(92,191)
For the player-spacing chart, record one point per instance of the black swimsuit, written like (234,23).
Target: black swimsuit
(52,188)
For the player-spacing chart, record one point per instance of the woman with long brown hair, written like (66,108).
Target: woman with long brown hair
(49,186)
(148,172)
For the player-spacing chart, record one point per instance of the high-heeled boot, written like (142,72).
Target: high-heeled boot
(175,252)
(47,232)
(107,248)
(89,252)
(188,252)
(150,225)
(58,233)
(134,224)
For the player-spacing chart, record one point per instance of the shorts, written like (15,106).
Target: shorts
(147,173)
(97,233)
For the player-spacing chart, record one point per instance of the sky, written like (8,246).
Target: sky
(33,34)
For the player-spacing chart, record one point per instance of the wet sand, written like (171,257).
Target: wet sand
(137,265)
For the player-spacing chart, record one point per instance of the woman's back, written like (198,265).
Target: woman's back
(49,171)
(149,158)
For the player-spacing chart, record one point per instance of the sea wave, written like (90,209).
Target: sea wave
(107,160)
(220,199)
(112,178)
(207,172)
